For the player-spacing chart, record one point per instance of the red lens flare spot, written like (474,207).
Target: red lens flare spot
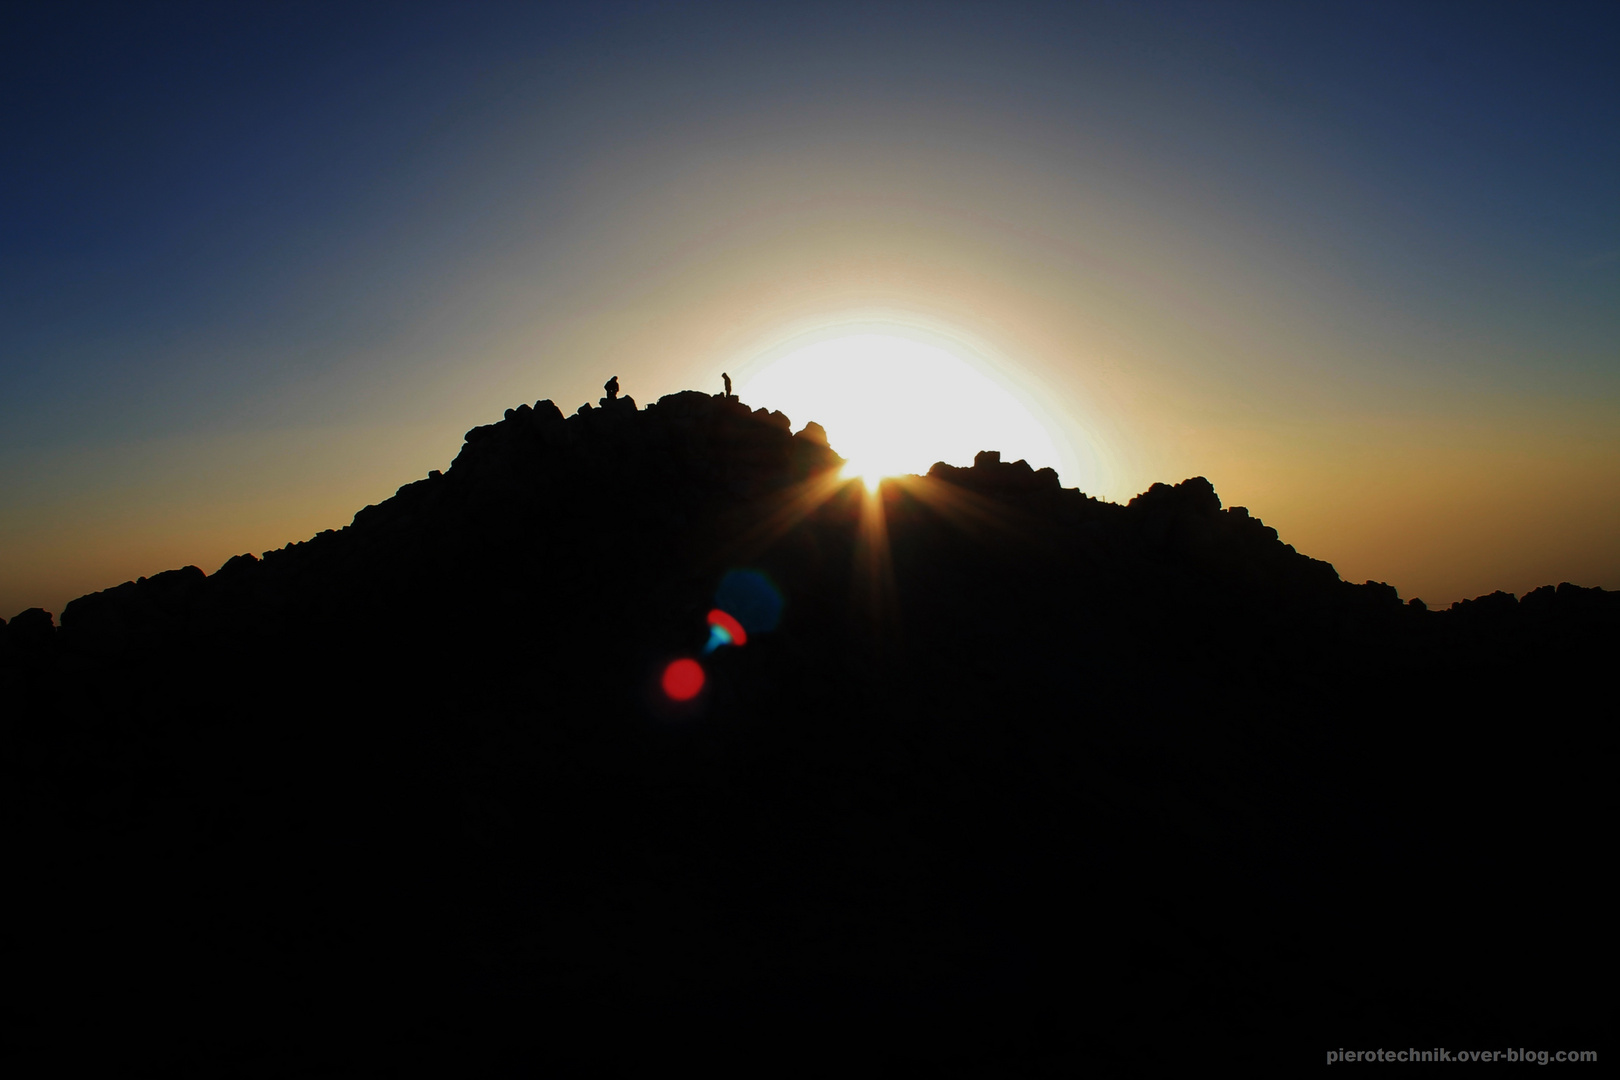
(732,627)
(683,679)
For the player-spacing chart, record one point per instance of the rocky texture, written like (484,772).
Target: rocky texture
(1039,778)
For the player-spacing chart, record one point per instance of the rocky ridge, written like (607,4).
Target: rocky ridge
(1028,734)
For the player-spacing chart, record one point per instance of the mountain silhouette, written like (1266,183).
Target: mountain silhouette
(1004,772)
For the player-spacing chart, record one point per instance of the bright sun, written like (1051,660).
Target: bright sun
(894,405)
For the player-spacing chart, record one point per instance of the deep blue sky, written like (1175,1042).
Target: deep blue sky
(229,232)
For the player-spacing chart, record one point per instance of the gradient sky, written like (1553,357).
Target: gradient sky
(1359,264)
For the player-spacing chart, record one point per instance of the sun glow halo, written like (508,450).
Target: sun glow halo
(894,405)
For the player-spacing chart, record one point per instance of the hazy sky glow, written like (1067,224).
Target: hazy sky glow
(1358,263)
(892,403)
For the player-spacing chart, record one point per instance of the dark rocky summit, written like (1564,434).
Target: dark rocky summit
(1021,775)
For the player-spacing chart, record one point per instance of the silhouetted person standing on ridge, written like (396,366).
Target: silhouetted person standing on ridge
(612,388)
(726,377)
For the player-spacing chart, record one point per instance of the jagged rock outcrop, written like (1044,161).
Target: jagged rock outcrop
(1021,774)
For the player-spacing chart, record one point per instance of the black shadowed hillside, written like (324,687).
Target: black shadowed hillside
(1020,774)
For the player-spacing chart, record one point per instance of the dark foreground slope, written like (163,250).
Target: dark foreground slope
(1020,774)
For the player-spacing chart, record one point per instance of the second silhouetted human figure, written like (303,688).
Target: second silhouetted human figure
(612,388)
(727,378)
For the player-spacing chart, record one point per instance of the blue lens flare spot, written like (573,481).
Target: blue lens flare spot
(750,599)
